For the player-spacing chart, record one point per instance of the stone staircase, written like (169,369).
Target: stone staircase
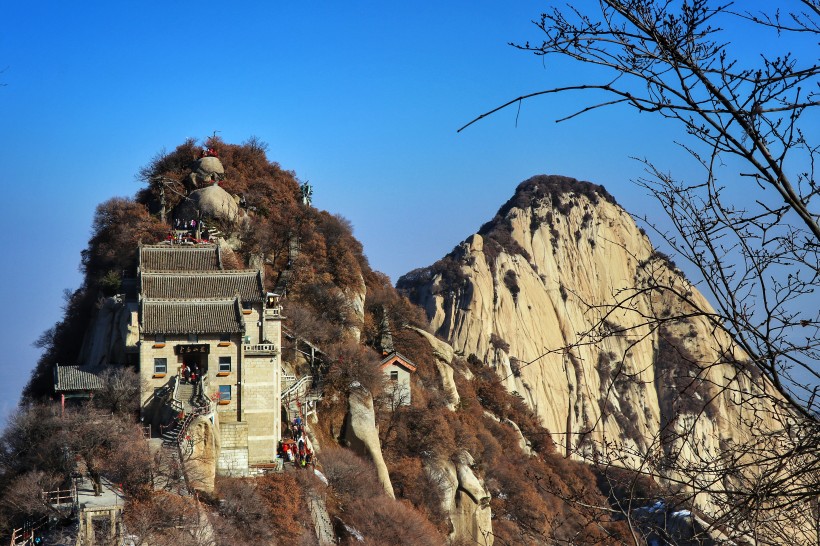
(185,393)
(301,396)
(187,398)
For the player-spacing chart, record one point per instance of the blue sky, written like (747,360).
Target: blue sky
(362,99)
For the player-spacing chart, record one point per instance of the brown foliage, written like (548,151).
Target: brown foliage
(283,495)
(350,476)
(383,301)
(120,392)
(119,225)
(352,363)
(306,324)
(163,519)
(392,522)
(244,512)
(362,504)
(412,483)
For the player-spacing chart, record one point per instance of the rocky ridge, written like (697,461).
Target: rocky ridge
(561,294)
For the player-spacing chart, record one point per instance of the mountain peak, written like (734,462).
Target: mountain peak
(552,189)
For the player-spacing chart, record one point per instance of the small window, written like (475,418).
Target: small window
(394,376)
(224,392)
(224,363)
(159,338)
(224,338)
(193,338)
(247,305)
(160,365)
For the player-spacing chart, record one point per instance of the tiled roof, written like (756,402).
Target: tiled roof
(399,360)
(72,378)
(223,316)
(179,257)
(203,285)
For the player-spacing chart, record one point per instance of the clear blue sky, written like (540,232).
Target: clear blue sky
(362,99)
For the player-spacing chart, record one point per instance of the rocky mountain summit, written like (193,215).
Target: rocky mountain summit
(565,297)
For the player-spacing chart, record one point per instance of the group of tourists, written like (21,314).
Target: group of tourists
(185,224)
(190,374)
(175,237)
(297,449)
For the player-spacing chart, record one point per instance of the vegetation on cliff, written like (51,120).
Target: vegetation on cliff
(331,293)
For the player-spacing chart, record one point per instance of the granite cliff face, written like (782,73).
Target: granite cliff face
(559,293)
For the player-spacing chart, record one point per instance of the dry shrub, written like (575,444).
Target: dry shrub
(283,495)
(391,522)
(423,433)
(350,476)
(306,324)
(491,394)
(352,363)
(384,301)
(230,259)
(163,519)
(120,391)
(254,510)
(23,496)
(244,509)
(412,483)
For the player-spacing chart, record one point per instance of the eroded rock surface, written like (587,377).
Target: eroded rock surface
(465,499)
(545,275)
(210,202)
(201,455)
(362,436)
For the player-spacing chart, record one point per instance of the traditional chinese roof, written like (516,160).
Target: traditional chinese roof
(73,378)
(179,258)
(217,316)
(397,359)
(203,285)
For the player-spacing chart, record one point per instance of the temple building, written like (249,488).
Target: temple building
(209,347)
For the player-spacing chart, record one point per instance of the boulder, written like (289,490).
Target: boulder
(207,169)
(212,203)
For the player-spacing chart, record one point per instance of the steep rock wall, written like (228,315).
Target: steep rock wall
(534,294)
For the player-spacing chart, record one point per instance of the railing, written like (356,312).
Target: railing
(24,536)
(288,379)
(196,412)
(275,312)
(298,385)
(60,496)
(261,348)
(176,405)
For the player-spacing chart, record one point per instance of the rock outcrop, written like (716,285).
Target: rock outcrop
(108,334)
(535,294)
(443,354)
(361,434)
(208,169)
(211,202)
(200,460)
(465,499)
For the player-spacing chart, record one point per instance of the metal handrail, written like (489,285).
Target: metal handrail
(296,386)
(204,409)
(176,405)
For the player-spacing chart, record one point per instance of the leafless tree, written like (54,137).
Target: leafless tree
(120,392)
(748,228)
